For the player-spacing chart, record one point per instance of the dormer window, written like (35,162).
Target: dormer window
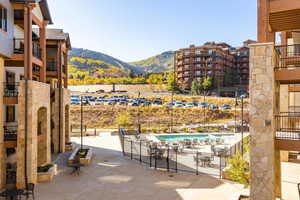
(3,18)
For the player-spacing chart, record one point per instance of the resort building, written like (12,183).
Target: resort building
(34,101)
(226,65)
(274,95)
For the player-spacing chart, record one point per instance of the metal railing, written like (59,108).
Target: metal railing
(287,56)
(36,50)
(288,126)
(175,157)
(11,89)
(19,47)
(51,66)
(10,133)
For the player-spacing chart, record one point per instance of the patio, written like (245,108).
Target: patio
(114,177)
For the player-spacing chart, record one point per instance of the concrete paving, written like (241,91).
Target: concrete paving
(114,177)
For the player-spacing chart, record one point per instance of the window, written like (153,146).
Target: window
(10,113)
(198,51)
(3,18)
(187,52)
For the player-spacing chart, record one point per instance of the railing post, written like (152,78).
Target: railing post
(220,166)
(131,156)
(150,157)
(123,140)
(140,151)
(197,163)
(155,160)
(168,165)
(176,159)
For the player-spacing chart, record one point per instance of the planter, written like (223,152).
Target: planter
(47,176)
(69,146)
(84,159)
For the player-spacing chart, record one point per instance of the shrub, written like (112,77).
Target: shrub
(239,169)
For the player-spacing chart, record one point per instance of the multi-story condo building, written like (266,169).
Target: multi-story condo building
(216,60)
(274,95)
(34,95)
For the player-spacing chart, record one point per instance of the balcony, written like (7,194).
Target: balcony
(10,133)
(18,57)
(287,127)
(11,92)
(287,64)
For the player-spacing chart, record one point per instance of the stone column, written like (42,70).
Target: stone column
(27,149)
(2,147)
(263,106)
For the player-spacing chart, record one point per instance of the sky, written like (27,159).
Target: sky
(132,30)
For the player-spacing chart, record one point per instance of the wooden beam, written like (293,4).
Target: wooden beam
(283,5)
(263,28)
(288,76)
(287,145)
(37,21)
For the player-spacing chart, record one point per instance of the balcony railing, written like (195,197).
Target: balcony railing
(288,126)
(51,66)
(19,47)
(10,133)
(287,56)
(11,90)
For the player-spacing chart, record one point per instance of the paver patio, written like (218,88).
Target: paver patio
(114,177)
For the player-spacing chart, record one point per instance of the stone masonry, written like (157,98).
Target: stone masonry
(265,160)
(59,138)
(38,102)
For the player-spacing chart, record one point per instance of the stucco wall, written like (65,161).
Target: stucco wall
(6,38)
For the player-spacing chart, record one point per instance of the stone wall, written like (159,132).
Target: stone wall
(59,119)
(2,150)
(38,97)
(265,160)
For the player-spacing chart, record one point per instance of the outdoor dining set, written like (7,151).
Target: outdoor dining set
(16,194)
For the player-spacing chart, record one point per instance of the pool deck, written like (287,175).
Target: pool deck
(114,177)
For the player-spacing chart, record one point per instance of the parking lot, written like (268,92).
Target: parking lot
(127,101)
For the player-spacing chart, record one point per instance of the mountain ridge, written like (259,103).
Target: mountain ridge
(97,64)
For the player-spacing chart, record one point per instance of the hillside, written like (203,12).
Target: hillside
(96,64)
(156,64)
(83,62)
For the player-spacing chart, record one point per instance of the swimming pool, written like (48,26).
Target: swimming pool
(172,138)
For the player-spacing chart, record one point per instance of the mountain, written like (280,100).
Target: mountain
(156,64)
(96,64)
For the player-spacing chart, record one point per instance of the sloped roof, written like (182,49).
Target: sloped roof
(43,5)
(55,35)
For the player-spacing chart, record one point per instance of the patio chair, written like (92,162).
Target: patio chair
(188,143)
(29,190)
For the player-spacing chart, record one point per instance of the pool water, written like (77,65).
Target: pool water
(172,138)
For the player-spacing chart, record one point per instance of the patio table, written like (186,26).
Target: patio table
(76,168)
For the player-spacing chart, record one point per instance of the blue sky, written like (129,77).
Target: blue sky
(136,29)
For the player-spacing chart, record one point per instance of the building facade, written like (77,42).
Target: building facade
(34,100)
(227,66)
(274,95)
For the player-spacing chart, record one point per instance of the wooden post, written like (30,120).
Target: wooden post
(43,51)
(28,41)
(66,69)
(264,33)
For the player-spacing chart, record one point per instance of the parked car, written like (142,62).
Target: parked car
(75,102)
(189,105)
(179,104)
(122,102)
(146,103)
(213,106)
(134,103)
(203,105)
(225,107)
(157,101)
